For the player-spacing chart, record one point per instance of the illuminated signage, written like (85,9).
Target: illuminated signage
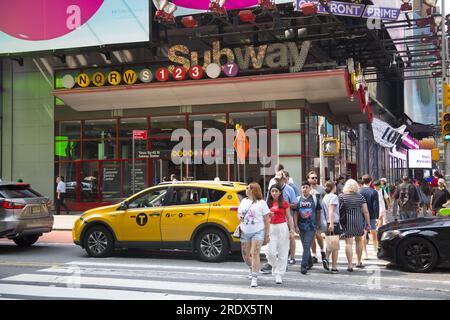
(194,65)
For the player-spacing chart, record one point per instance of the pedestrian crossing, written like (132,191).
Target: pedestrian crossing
(115,279)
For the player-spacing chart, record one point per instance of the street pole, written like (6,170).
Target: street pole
(322,158)
(444,79)
(133,173)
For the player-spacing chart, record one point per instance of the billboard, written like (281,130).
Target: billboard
(420,93)
(42,25)
(419,159)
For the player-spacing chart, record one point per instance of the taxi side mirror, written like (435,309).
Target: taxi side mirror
(124,205)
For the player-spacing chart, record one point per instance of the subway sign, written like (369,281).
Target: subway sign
(185,64)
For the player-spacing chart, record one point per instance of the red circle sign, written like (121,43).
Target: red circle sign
(162,74)
(179,73)
(196,72)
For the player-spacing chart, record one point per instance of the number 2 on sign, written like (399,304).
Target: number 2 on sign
(179,73)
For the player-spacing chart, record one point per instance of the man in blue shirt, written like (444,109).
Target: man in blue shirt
(373,204)
(306,221)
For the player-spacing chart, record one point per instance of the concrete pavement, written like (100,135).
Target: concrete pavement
(65,222)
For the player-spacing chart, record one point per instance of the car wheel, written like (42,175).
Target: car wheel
(26,241)
(98,242)
(212,245)
(417,255)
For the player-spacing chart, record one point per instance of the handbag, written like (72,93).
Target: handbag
(237,233)
(332,242)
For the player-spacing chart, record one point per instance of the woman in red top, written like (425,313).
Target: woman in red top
(280,233)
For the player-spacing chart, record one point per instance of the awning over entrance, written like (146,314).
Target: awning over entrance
(315,87)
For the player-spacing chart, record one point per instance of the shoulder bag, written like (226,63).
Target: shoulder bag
(237,233)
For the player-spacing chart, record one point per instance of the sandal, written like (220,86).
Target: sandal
(360,266)
(350,269)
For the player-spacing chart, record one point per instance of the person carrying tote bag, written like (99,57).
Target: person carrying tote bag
(330,205)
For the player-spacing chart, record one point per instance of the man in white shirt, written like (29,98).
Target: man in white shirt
(384,202)
(60,195)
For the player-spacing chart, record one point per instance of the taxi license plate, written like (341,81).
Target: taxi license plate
(36,210)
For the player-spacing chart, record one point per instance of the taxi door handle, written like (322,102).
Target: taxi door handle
(155,214)
(199,214)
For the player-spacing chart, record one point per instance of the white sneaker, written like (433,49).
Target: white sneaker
(254,283)
(278,279)
(250,275)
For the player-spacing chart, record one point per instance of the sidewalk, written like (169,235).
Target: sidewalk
(65,222)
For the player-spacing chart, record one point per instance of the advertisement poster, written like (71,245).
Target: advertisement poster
(61,24)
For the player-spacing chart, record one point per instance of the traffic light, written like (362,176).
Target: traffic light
(446,95)
(445,126)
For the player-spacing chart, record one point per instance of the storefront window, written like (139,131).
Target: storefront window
(164,126)
(66,149)
(100,129)
(99,150)
(111,182)
(89,181)
(126,147)
(140,177)
(69,129)
(68,171)
(128,125)
(216,121)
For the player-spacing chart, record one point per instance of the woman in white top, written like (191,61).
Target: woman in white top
(254,215)
(330,206)
(384,203)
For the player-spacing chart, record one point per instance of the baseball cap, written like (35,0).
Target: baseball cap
(383,179)
(441,181)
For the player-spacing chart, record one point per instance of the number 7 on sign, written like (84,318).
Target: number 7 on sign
(231,69)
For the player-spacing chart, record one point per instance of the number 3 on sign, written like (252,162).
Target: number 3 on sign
(162,74)
(196,72)
(179,73)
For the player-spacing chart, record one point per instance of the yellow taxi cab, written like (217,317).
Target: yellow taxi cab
(199,216)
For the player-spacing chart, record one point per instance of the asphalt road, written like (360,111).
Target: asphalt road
(64,271)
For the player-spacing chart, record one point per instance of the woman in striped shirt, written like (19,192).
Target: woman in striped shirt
(354,218)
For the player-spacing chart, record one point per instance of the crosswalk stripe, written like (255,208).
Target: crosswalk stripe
(88,293)
(194,287)
(321,277)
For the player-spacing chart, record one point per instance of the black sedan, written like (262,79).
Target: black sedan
(418,245)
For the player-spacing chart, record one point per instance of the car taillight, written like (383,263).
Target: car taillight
(235,209)
(12,205)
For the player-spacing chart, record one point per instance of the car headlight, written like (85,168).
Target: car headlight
(389,235)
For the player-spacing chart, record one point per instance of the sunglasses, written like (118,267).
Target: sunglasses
(314,178)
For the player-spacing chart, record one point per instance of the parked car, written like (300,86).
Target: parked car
(24,213)
(199,216)
(418,245)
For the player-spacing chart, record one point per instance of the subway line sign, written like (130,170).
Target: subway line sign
(354,10)
(195,65)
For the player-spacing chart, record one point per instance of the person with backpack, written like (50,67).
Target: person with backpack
(407,199)
(306,222)
(373,204)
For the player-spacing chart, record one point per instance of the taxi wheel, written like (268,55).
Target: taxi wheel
(26,241)
(98,242)
(212,245)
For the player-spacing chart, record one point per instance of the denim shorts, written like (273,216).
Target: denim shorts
(256,236)
(373,224)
